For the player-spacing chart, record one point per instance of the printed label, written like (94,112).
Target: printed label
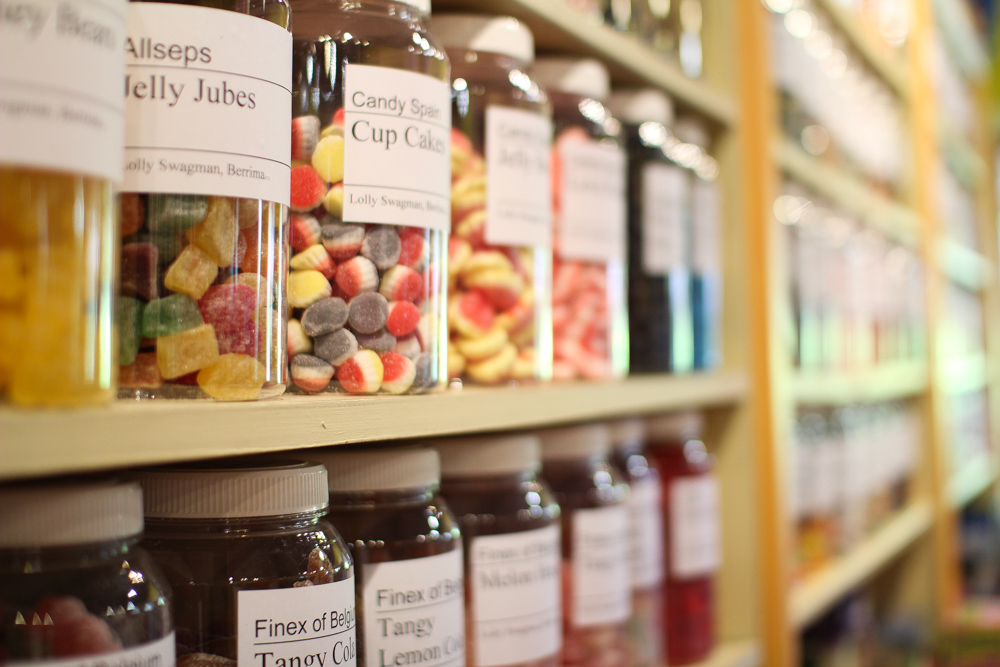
(602,592)
(592,197)
(310,626)
(397,148)
(646,521)
(706,211)
(518,180)
(415,612)
(61,102)
(207,103)
(516,598)
(665,198)
(694,527)
(159,653)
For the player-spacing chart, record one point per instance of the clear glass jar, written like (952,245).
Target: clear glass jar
(60,154)
(499,268)
(645,503)
(691,529)
(257,574)
(74,585)
(370,191)
(597,592)
(589,311)
(510,526)
(659,267)
(201,309)
(407,546)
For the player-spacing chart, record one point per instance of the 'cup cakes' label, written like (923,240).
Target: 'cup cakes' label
(207,103)
(61,107)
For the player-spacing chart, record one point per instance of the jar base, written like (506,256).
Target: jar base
(188,392)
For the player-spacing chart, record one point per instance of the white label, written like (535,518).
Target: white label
(61,102)
(602,592)
(646,515)
(665,197)
(415,612)
(694,526)
(706,212)
(207,103)
(310,626)
(159,653)
(592,196)
(516,596)
(397,161)
(518,178)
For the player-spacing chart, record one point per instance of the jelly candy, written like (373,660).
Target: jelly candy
(362,373)
(328,159)
(129,325)
(325,316)
(401,283)
(304,231)
(233,377)
(306,288)
(170,315)
(308,189)
(186,352)
(232,312)
(368,312)
(379,342)
(398,373)
(357,275)
(336,347)
(216,235)
(403,318)
(142,373)
(176,213)
(382,246)
(139,270)
(133,213)
(310,373)
(192,273)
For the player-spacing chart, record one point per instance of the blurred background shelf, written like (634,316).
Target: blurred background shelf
(963,265)
(733,654)
(971,480)
(884,382)
(965,374)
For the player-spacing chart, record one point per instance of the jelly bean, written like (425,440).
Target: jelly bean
(336,347)
(382,246)
(368,312)
(176,213)
(192,273)
(129,319)
(139,270)
(187,351)
(233,377)
(324,316)
(170,315)
(133,213)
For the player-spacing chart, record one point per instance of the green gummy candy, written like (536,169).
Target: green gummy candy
(129,336)
(170,315)
(176,213)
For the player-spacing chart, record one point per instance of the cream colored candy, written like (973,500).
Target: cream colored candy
(233,377)
(495,368)
(477,349)
(333,200)
(307,287)
(486,260)
(328,158)
(468,191)
(524,365)
(456,363)
(299,341)
(313,257)
(473,224)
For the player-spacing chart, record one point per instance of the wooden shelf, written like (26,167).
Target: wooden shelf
(559,28)
(963,265)
(849,192)
(885,382)
(955,25)
(733,654)
(35,443)
(817,593)
(971,480)
(965,374)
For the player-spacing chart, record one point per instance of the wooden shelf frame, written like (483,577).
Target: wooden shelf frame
(963,265)
(972,480)
(884,382)
(733,654)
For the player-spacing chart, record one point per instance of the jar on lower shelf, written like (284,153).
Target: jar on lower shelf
(75,587)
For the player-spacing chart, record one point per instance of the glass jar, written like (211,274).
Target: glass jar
(659,266)
(74,585)
(691,529)
(597,593)
(408,550)
(258,576)
(60,154)
(201,309)
(645,505)
(510,525)
(371,189)
(499,267)
(589,312)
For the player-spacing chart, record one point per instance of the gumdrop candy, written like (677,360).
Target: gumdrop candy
(176,213)
(307,189)
(138,270)
(133,213)
(187,351)
(401,283)
(142,373)
(382,246)
(232,311)
(336,347)
(233,377)
(192,273)
(368,312)
(305,135)
(306,288)
(397,374)
(328,158)
(217,234)
(362,373)
(129,317)
(170,315)
(310,373)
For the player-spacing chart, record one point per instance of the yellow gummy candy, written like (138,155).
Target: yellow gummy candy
(328,158)
(233,377)
(192,273)
(333,201)
(307,287)
(187,351)
(216,235)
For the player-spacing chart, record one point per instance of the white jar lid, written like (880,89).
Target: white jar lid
(692,130)
(380,468)
(422,6)
(585,77)
(628,432)
(575,442)
(504,35)
(642,105)
(676,426)
(485,455)
(67,514)
(253,488)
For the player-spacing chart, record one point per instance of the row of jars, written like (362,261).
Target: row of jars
(579,546)
(417,223)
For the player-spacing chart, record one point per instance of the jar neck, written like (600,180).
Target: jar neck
(394,9)
(364,500)
(499,61)
(231,525)
(29,560)
(491,482)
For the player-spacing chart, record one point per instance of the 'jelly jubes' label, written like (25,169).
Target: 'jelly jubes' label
(694,527)
(664,202)
(602,592)
(158,653)
(397,150)
(208,103)
(593,216)
(646,521)
(415,612)
(60,88)
(310,626)
(519,185)
(516,598)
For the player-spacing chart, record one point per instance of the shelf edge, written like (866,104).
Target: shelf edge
(885,382)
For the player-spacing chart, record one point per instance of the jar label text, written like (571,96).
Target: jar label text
(646,525)
(602,591)
(694,527)
(666,205)
(592,215)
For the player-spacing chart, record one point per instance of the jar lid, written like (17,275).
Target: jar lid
(381,468)
(642,105)
(577,76)
(490,34)
(575,442)
(485,455)
(628,432)
(66,514)
(234,489)
(676,426)
(422,6)
(692,130)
